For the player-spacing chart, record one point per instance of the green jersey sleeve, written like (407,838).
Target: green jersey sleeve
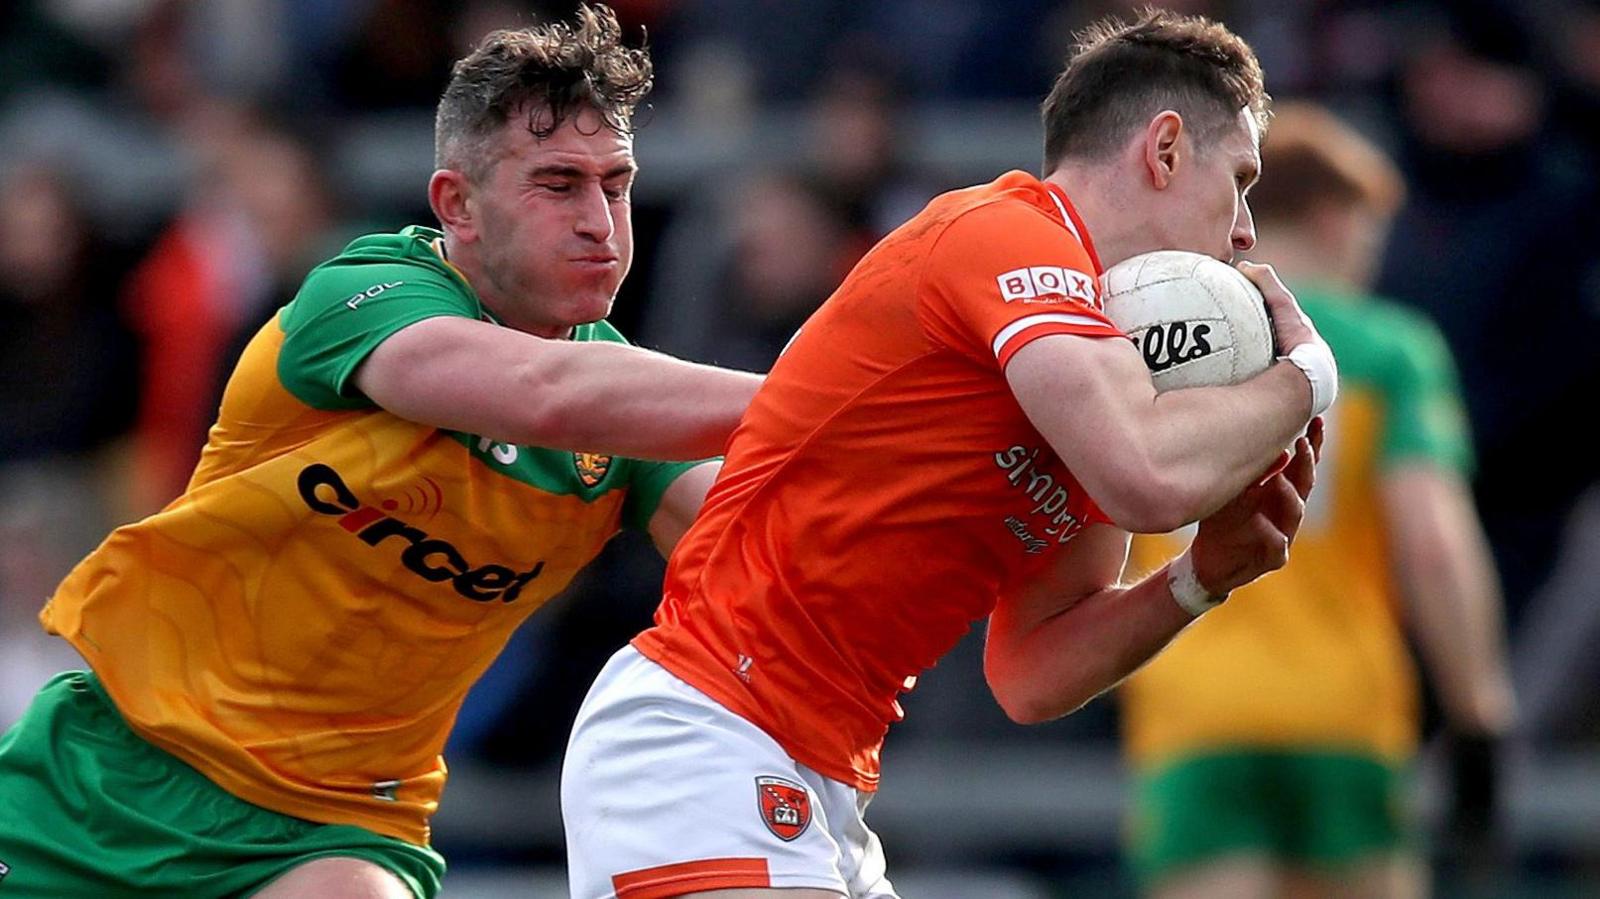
(1425,418)
(648,481)
(350,305)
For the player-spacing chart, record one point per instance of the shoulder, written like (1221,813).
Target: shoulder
(999,211)
(375,264)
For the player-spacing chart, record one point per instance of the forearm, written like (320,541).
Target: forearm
(1057,665)
(1154,462)
(591,396)
(633,402)
(1212,442)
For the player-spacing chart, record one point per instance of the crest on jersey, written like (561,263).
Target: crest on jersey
(591,467)
(785,807)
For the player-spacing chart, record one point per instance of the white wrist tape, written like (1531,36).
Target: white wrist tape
(1186,589)
(1316,361)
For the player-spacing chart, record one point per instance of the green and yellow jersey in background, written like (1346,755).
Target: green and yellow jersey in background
(303,623)
(1313,656)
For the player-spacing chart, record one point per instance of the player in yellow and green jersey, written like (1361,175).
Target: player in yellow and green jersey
(1269,741)
(417,452)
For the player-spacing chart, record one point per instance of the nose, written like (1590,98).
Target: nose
(1244,229)
(592,218)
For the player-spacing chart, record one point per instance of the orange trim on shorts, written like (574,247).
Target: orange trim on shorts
(664,881)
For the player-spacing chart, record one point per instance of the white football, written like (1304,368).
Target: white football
(1197,321)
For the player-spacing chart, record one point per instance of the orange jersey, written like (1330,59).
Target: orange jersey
(885,488)
(304,622)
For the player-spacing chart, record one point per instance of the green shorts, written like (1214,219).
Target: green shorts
(1318,809)
(88,808)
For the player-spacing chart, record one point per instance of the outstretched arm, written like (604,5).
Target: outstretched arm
(480,378)
(1077,633)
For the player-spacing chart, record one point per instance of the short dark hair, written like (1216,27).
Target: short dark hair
(1121,74)
(1314,160)
(548,73)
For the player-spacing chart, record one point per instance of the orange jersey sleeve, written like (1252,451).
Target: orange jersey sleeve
(1005,274)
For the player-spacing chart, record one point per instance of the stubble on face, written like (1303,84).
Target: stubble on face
(556,240)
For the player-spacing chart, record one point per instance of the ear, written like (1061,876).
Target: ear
(448,193)
(1163,147)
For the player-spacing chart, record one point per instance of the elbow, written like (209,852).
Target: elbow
(1038,708)
(1025,703)
(1026,713)
(1019,707)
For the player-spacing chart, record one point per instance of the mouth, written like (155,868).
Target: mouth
(594,264)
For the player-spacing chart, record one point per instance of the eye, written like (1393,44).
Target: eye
(555,187)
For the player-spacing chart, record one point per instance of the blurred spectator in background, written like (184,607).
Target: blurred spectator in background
(256,219)
(42,44)
(1270,740)
(64,364)
(744,271)
(397,56)
(1497,244)
(856,155)
(744,265)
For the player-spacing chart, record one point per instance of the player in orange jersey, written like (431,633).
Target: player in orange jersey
(418,451)
(958,433)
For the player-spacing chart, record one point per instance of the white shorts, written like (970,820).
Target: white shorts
(665,792)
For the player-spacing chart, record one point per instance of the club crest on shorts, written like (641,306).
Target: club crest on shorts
(785,806)
(591,467)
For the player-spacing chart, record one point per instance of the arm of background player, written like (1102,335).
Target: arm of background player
(680,504)
(1153,462)
(1442,560)
(484,379)
(1076,633)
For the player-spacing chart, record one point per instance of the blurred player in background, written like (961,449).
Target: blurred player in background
(958,433)
(420,449)
(1269,740)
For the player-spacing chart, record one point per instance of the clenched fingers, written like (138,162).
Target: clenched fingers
(1283,505)
(1302,470)
(1314,433)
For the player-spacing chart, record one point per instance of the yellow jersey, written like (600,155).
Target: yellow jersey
(303,623)
(1314,655)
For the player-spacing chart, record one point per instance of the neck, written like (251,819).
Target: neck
(1117,235)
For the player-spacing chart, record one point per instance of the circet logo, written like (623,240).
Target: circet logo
(426,556)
